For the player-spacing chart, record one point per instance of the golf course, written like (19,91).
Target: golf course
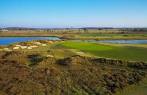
(84,66)
(73,47)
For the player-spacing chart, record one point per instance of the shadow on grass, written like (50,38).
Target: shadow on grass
(35,59)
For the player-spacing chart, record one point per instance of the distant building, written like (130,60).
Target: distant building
(4,30)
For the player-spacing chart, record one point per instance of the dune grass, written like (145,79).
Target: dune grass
(111,35)
(130,53)
(139,89)
(102,36)
(81,79)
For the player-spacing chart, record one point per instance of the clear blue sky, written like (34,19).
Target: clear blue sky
(76,13)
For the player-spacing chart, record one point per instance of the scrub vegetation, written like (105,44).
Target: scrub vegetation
(76,75)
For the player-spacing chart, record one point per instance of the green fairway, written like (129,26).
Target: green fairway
(109,51)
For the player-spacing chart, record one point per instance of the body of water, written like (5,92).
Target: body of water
(125,41)
(11,40)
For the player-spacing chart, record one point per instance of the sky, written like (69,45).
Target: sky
(73,13)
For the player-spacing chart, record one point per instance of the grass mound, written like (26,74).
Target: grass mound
(76,75)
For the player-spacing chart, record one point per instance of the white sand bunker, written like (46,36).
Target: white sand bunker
(80,53)
(44,45)
(37,43)
(7,49)
(34,45)
(16,48)
(23,47)
(51,56)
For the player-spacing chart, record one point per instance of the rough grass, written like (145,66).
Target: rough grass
(111,35)
(140,89)
(102,36)
(75,75)
(109,51)
(30,72)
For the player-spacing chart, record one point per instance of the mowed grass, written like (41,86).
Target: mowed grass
(130,53)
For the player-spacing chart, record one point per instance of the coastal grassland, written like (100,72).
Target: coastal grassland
(76,75)
(49,50)
(111,36)
(77,34)
(129,45)
(45,50)
(133,52)
(139,89)
(130,53)
(33,72)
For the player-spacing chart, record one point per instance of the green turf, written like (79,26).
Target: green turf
(116,52)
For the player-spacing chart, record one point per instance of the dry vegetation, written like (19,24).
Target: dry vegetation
(76,75)
(82,34)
